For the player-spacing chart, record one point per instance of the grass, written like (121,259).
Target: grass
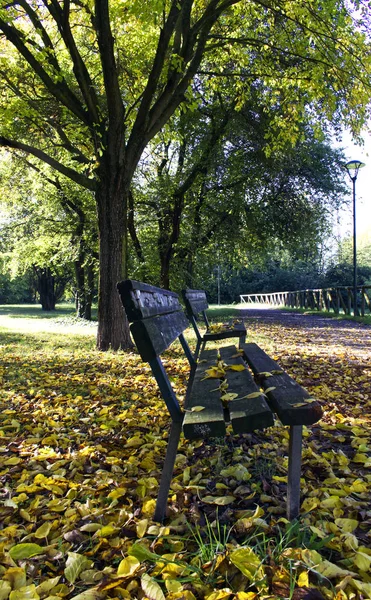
(30,319)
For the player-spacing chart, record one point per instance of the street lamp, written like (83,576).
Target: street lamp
(352,167)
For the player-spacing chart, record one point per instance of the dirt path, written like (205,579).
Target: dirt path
(316,330)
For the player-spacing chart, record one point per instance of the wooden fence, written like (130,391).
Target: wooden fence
(339,299)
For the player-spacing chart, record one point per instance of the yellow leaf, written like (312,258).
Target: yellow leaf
(214,373)
(332,502)
(270,389)
(14,460)
(329,570)
(75,564)
(25,550)
(360,458)
(350,541)
(128,566)
(5,589)
(239,472)
(219,500)
(151,588)
(142,527)
(298,404)
(173,586)
(46,586)
(134,442)
(16,576)
(362,561)
(117,493)
(149,507)
(347,525)
(106,531)
(247,562)
(236,368)
(229,397)
(252,395)
(43,530)
(303,579)
(310,504)
(219,594)
(92,594)
(27,592)
(197,408)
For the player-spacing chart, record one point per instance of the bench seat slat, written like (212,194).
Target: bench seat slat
(238,330)
(287,399)
(209,422)
(246,414)
(154,335)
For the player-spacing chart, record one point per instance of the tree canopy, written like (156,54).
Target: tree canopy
(87,85)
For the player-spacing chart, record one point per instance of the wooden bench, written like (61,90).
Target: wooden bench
(196,304)
(157,319)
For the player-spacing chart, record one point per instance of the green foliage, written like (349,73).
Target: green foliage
(16,290)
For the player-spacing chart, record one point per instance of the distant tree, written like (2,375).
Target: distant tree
(210,187)
(49,230)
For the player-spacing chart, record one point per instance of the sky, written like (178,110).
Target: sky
(363,186)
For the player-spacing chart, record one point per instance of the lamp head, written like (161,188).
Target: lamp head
(352,167)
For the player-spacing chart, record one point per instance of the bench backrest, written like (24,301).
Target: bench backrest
(155,315)
(156,320)
(195,304)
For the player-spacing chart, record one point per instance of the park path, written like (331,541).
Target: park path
(315,330)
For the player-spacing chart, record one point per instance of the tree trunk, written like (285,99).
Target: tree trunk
(111,196)
(89,286)
(45,285)
(80,288)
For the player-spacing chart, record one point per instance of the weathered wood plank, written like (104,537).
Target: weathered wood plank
(142,301)
(246,414)
(204,392)
(237,330)
(195,301)
(287,399)
(155,334)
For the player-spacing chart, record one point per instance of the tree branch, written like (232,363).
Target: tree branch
(61,18)
(82,180)
(106,46)
(59,90)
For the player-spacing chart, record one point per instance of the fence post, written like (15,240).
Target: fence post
(349,301)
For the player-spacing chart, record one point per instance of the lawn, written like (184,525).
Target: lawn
(82,439)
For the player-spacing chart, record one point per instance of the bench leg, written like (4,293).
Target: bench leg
(293,484)
(197,349)
(167,471)
(242,340)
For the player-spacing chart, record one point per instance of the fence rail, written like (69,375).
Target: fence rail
(337,299)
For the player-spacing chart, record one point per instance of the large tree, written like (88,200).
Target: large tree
(86,85)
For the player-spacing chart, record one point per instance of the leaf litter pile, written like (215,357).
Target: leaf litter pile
(82,441)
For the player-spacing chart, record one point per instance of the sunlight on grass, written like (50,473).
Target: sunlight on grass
(30,318)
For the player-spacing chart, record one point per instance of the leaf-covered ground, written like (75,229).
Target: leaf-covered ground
(82,441)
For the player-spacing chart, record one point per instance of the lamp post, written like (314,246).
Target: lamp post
(352,167)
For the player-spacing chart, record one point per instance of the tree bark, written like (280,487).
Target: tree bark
(111,196)
(45,285)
